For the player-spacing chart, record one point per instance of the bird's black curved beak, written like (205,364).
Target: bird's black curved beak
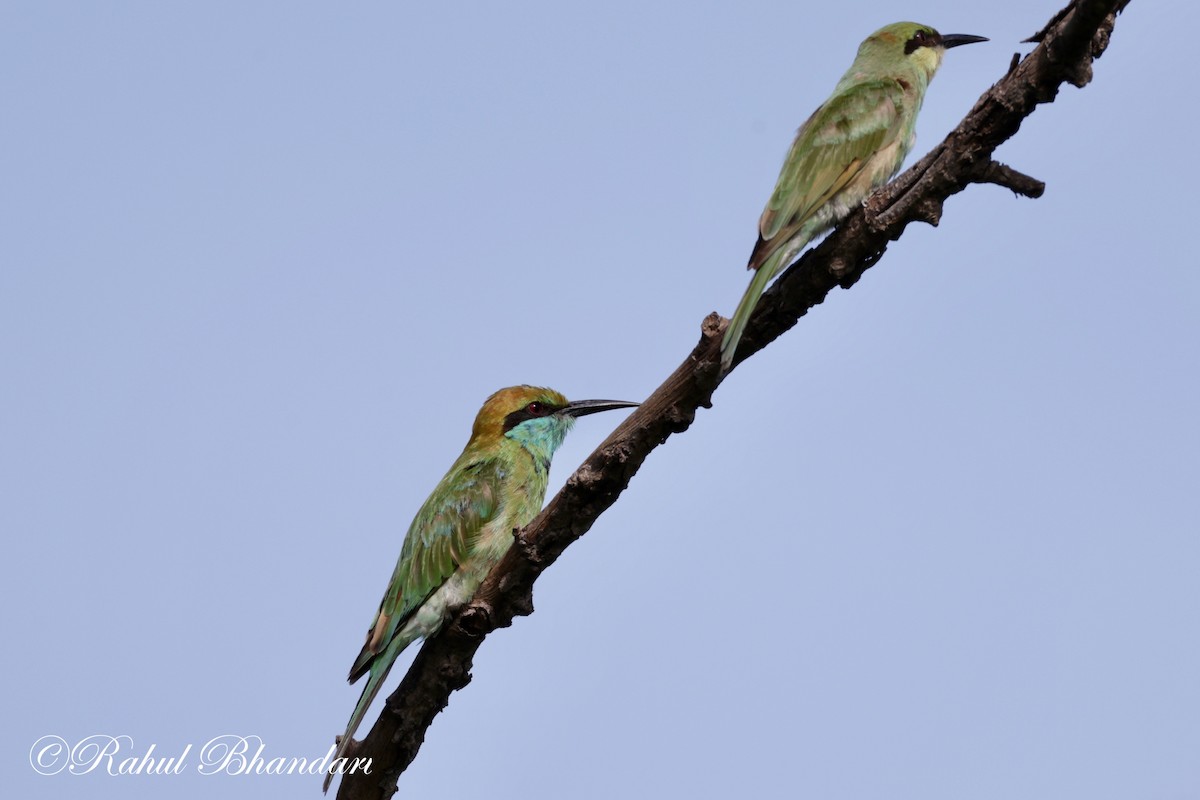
(581,408)
(955,39)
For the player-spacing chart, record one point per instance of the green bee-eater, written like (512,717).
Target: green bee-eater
(466,526)
(853,143)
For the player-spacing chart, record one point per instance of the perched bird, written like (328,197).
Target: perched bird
(466,526)
(853,143)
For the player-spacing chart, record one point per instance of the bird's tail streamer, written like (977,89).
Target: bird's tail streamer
(384,664)
(737,323)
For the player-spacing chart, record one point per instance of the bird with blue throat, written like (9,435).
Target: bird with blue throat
(496,486)
(853,143)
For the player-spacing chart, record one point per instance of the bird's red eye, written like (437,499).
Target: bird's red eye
(534,408)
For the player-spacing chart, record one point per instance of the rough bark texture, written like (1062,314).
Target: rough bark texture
(1065,50)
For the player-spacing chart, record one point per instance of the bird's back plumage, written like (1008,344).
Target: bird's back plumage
(829,155)
(439,541)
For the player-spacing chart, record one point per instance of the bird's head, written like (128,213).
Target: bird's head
(534,417)
(910,43)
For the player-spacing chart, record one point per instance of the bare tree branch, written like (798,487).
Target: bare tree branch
(1004,175)
(1064,54)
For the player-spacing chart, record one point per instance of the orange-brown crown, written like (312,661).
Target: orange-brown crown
(491,419)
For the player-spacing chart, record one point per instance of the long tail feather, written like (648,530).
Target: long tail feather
(380,668)
(737,324)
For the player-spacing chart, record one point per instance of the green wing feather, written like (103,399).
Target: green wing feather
(829,151)
(438,541)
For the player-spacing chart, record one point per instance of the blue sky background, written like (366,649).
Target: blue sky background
(262,263)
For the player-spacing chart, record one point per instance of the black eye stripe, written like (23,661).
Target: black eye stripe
(532,411)
(921,38)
